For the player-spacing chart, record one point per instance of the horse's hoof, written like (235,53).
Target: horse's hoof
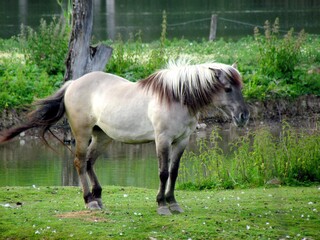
(99,202)
(164,210)
(93,205)
(175,208)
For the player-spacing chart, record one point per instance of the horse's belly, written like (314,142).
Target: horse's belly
(127,126)
(128,134)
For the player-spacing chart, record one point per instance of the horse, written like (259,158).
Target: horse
(164,108)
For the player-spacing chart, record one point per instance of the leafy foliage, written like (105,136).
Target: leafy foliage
(257,158)
(21,84)
(47,47)
(135,60)
(272,66)
(279,56)
(35,65)
(281,70)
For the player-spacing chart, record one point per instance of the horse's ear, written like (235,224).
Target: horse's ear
(217,72)
(220,76)
(235,65)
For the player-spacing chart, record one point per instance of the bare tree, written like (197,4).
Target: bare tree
(83,58)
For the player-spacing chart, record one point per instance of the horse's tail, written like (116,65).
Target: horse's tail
(48,112)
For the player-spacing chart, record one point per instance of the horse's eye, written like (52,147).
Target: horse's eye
(228,90)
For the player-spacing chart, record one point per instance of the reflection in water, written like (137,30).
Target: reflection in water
(27,162)
(185,19)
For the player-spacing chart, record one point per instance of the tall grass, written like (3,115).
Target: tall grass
(257,158)
(47,47)
(280,56)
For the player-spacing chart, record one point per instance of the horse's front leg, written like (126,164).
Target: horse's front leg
(163,153)
(177,151)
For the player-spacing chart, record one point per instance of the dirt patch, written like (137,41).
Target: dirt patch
(90,216)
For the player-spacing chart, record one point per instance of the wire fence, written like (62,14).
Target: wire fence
(226,20)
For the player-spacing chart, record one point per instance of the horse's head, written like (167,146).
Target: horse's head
(230,97)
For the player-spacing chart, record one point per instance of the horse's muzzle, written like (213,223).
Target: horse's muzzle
(241,119)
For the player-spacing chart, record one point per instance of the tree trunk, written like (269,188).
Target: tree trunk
(83,58)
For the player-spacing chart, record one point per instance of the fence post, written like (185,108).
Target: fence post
(213,27)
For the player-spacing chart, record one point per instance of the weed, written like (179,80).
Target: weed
(21,84)
(257,158)
(279,58)
(46,47)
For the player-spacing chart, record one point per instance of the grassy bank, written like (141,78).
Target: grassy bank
(256,158)
(273,65)
(58,213)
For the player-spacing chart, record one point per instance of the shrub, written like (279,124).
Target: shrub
(257,157)
(21,84)
(279,56)
(46,47)
(135,60)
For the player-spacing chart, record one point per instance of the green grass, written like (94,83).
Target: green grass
(58,213)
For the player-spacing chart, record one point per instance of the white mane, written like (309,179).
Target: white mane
(192,85)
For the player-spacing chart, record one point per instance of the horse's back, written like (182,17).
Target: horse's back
(97,79)
(124,110)
(93,84)
(119,107)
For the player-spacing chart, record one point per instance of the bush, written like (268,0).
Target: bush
(34,65)
(257,157)
(266,71)
(47,47)
(135,60)
(279,56)
(21,84)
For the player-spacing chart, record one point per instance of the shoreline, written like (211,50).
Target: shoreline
(301,108)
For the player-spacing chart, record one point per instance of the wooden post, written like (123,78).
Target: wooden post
(213,27)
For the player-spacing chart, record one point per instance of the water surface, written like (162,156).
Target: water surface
(185,18)
(26,161)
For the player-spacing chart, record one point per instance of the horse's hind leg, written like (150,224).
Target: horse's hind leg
(80,162)
(98,143)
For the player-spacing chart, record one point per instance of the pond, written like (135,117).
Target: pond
(26,161)
(185,18)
